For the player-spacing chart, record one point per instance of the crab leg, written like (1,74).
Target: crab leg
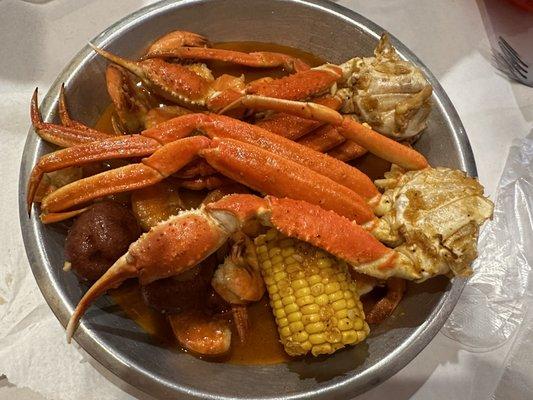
(162,163)
(179,84)
(174,82)
(114,147)
(65,136)
(374,142)
(184,240)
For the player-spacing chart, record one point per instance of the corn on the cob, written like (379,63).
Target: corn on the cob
(312,295)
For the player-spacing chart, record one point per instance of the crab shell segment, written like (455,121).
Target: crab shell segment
(181,242)
(390,94)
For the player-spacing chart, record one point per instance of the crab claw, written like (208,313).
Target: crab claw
(175,39)
(191,46)
(70,134)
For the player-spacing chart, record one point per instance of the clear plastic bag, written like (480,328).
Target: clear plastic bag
(494,302)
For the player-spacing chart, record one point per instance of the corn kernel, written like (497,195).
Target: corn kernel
(284,283)
(302,301)
(283,322)
(331,287)
(357,323)
(334,336)
(341,313)
(305,291)
(269,280)
(317,338)
(361,335)
(298,275)
(277,304)
(323,263)
(350,303)
(310,309)
(324,348)
(296,326)
(307,345)
(291,260)
(336,296)
(339,304)
(267,264)
(279,313)
(299,283)
(349,337)
(301,336)
(279,276)
(261,250)
(345,324)
(309,319)
(294,316)
(292,268)
(314,279)
(317,289)
(258,241)
(272,288)
(348,294)
(285,291)
(315,328)
(290,308)
(294,349)
(288,300)
(326,312)
(277,260)
(287,252)
(285,331)
(322,300)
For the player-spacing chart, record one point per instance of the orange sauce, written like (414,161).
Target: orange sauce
(262,344)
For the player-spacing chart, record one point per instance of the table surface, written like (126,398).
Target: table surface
(453,38)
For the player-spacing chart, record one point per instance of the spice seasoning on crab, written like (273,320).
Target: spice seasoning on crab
(432,216)
(390,94)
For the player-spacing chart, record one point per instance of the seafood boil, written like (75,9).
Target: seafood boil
(280,210)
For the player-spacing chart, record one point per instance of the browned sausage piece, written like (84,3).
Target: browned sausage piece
(98,237)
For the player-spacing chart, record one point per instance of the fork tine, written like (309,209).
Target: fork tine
(504,44)
(515,65)
(505,66)
(512,59)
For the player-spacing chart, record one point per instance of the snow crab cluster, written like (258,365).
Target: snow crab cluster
(302,222)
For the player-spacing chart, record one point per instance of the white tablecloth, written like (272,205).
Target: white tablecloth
(451,37)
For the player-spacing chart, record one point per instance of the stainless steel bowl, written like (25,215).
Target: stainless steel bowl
(116,342)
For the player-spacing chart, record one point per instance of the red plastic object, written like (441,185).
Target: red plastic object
(523,4)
